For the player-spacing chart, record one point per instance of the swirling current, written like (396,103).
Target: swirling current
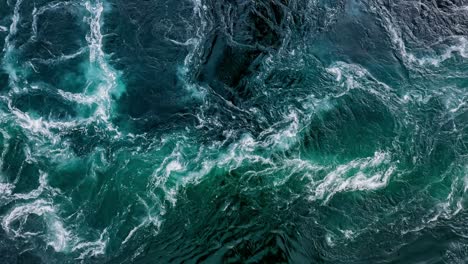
(233,131)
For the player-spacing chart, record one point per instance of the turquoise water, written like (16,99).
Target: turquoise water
(233,131)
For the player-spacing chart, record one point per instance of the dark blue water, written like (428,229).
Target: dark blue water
(233,131)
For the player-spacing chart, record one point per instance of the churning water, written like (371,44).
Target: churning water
(233,131)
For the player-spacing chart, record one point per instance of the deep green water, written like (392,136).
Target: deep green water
(234,131)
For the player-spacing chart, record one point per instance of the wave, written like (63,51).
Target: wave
(230,131)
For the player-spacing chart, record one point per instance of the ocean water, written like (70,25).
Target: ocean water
(233,131)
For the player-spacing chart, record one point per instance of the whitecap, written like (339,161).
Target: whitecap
(57,236)
(90,249)
(110,85)
(373,173)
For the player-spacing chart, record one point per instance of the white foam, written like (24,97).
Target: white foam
(6,189)
(133,231)
(60,235)
(6,144)
(92,248)
(57,236)
(453,204)
(351,76)
(329,238)
(9,46)
(14,22)
(149,219)
(373,173)
(107,84)
(458,107)
(200,30)
(172,164)
(335,71)
(40,126)
(397,39)
(110,85)
(284,139)
(96,54)
(349,234)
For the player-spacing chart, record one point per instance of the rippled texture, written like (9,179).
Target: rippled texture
(233,131)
